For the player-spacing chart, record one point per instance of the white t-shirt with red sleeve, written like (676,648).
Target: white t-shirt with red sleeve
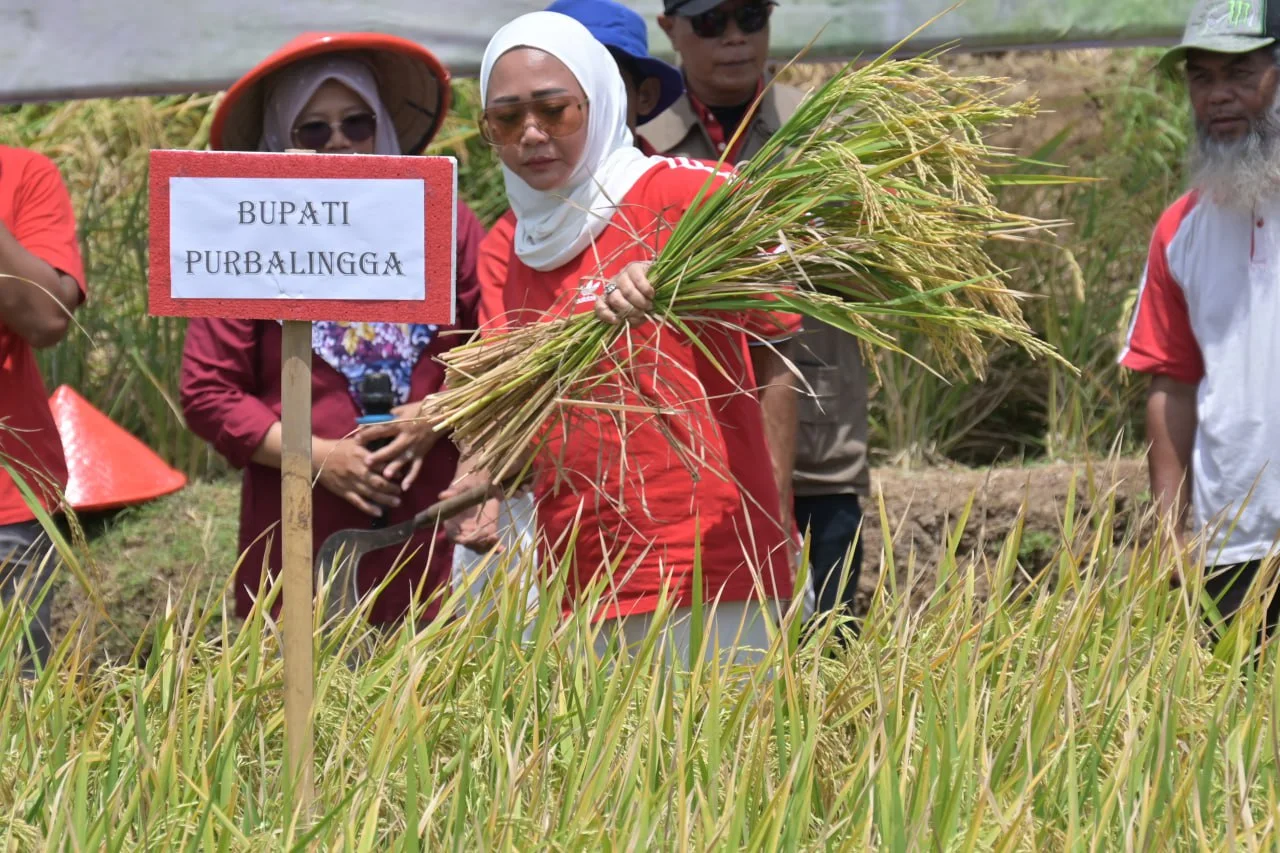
(1208,314)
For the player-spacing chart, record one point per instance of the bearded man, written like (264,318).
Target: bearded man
(1207,323)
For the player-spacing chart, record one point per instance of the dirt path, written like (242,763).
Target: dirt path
(923,508)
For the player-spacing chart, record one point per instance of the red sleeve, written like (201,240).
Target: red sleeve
(760,325)
(1161,340)
(44,223)
(470,236)
(218,386)
(684,179)
(495,257)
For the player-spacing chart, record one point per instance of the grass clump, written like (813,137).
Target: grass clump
(1084,709)
(142,559)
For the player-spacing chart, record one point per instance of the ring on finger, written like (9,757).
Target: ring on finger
(610,288)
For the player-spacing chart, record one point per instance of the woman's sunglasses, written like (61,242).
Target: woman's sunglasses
(315,135)
(557,117)
(751,17)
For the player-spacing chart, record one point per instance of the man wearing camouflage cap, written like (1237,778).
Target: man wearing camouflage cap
(1207,323)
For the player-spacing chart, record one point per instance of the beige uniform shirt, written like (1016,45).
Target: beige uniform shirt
(831,442)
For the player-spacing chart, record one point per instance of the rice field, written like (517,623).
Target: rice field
(1081,708)
(990,701)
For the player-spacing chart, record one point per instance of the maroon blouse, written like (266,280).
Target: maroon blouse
(231,397)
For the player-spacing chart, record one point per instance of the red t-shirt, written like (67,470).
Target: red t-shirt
(680,462)
(36,209)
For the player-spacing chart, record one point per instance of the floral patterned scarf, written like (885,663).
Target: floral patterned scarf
(358,349)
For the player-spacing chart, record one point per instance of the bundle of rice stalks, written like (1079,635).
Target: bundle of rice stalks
(871,210)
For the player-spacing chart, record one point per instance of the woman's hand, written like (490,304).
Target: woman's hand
(629,297)
(412,438)
(477,527)
(345,467)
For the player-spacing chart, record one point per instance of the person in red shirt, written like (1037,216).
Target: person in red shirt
(41,284)
(591,213)
(652,85)
(335,94)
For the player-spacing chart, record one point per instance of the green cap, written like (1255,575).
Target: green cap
(1226,26)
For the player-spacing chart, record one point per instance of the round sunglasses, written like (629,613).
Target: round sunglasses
(315,135)
(557,117)
(751,17)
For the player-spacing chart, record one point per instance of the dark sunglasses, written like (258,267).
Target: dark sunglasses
(750,17)
(557,117)
(315,135)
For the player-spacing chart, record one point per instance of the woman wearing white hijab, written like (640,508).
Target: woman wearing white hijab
(591,213)
(335,93)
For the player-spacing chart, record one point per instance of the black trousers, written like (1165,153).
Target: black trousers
(24,551)
(833,523)
(1230,586)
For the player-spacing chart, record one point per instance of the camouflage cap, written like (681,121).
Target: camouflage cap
(1226,26)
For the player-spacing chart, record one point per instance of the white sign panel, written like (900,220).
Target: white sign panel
(296,238)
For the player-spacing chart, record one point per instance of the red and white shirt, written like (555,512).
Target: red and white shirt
(676,468)
(1208,314)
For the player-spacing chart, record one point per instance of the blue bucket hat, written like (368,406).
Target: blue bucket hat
(623,31)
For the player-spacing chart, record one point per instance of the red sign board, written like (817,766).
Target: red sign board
(303,237)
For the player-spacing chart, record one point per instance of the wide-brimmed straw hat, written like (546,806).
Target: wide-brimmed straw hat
(413,83)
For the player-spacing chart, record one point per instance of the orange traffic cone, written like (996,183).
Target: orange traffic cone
(106,466)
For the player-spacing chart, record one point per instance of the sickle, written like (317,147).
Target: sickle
(340,555)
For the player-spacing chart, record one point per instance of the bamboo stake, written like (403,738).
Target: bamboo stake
(296,539)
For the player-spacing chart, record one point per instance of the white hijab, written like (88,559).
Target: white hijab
(289,89)
(553,227)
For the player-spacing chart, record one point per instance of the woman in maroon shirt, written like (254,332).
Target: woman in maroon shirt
(342,94)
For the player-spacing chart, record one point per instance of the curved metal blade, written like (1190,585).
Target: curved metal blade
(338,560)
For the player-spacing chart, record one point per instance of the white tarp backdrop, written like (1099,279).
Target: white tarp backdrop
(53,49)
